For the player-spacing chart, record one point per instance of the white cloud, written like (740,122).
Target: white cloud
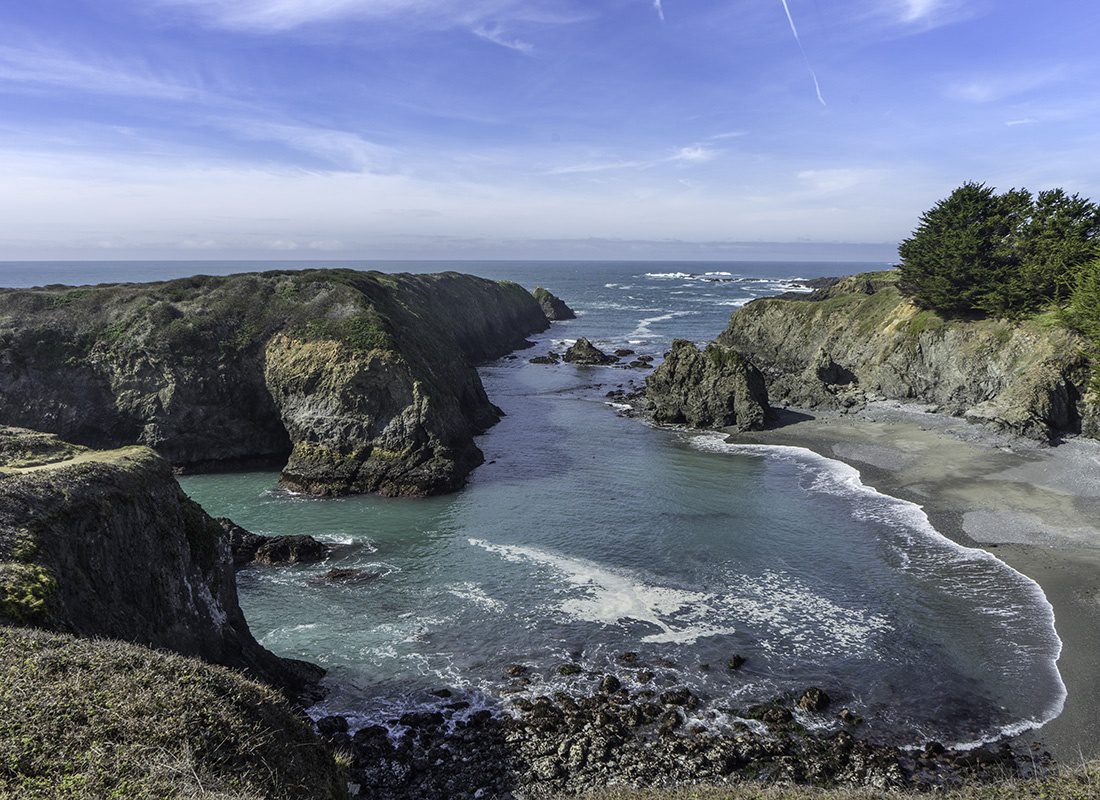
(1012,123)
(495,35)
(917,10)
(694,154)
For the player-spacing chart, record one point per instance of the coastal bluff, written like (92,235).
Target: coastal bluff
(860,340)
(351,381)
(105,544)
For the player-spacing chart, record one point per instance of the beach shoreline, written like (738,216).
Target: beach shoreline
(1034,507)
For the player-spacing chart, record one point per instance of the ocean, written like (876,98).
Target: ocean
(588,535)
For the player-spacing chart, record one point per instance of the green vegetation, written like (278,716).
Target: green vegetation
(81,718)
(1065,784)
(1004,255)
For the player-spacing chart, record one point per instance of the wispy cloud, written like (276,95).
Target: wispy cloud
(999,86)
(839,179)
(497,36)
(660,9)
(1012,123)
(690,154)
(45,67)
(802,50)
(343,149)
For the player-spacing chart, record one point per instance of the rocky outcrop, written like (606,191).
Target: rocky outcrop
(253,548)
(584,353)
(106,544)
(552,306)
(860,339)
(712,388)
(357,381)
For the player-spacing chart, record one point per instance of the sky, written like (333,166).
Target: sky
(632,129)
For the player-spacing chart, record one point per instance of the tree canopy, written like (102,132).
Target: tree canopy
(1006,255)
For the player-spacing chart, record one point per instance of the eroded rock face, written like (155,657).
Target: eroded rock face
(357,381)
(712,388)
(552,306)
(861,339)
(106,544)
(585,353)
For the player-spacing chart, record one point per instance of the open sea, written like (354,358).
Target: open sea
(587,535)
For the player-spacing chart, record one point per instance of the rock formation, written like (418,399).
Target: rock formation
(106,544)
(552,306)
(712,388)
(861,339)
(253,548)
(357,381)
(584,353)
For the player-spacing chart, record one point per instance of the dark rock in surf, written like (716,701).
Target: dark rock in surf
(253,548)
(813,699)
(584,353)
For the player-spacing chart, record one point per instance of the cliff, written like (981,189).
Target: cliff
(106,544)
(357,381)
(95,719)
(860,339)
(712,388)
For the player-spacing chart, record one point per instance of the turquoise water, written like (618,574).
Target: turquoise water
(588,534)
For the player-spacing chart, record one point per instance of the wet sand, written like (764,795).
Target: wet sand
(1033,506)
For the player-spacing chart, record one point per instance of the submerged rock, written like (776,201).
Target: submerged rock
(553,307)
(585,353)
(712,388)
(348,575)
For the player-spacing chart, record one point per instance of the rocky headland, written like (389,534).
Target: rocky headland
(352,381)
(105,564)
(106,544)
(860,340)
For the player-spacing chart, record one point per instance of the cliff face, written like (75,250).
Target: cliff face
(861,339)
(359,381)
(106,544)
(712,388)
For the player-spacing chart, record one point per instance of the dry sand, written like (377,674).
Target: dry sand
(1035,507)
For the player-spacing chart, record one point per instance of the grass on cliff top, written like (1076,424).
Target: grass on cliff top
(1081,783)
(102,719)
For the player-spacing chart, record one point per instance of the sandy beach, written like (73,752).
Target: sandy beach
(1036,507)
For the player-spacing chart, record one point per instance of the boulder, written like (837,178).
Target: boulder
(253,548)
(585,353)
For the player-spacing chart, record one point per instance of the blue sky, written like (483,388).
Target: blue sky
(297,129)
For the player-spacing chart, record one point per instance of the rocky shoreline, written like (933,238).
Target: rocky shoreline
(622,729)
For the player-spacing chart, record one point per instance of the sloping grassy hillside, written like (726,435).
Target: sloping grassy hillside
(102,719)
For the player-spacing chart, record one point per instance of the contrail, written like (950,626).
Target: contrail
(660,9)
(801,49)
